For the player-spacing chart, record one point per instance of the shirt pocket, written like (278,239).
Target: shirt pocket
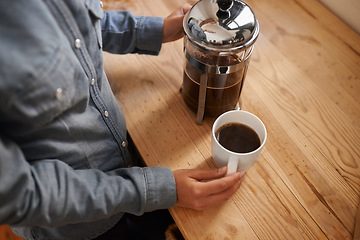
(50,90)
(96,13)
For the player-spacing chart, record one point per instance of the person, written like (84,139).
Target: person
(66,170)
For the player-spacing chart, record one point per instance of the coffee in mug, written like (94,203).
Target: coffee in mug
(237,137)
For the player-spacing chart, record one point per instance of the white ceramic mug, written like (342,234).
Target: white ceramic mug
(233,160)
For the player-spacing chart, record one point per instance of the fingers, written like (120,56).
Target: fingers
(216,191)
(218,198)
(200,174)
(193,192)
(173,29)
(182,10)
(221,184)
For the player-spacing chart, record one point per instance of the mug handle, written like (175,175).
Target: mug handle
(232,165)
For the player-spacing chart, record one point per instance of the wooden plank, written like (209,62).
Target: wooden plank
(319,44)
(314,112)
(338,102)
(321,190)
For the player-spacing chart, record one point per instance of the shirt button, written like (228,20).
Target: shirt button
(58,93)
(101,4)
(123,144)
(92,82)
(106,113)
(77,43)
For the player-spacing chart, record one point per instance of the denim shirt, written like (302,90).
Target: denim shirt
(64,159)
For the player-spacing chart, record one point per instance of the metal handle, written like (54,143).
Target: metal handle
(202,98)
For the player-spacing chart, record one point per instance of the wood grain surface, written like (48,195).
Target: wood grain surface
(303,82)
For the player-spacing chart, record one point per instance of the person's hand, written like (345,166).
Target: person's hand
(173,27)
(199,189)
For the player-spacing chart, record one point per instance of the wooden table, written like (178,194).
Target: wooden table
(303,82)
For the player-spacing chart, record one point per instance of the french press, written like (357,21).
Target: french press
(218,42)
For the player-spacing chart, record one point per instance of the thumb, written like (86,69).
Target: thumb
(201,174)
(180,12)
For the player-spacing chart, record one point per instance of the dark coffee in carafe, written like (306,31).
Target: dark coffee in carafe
(223,89)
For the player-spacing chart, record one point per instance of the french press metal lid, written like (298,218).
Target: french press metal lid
(221,25)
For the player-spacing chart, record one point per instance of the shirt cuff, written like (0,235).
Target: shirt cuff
(161,188)
(150,34)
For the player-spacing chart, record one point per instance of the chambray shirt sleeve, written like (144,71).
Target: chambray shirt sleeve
(49,193)
(123,33)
